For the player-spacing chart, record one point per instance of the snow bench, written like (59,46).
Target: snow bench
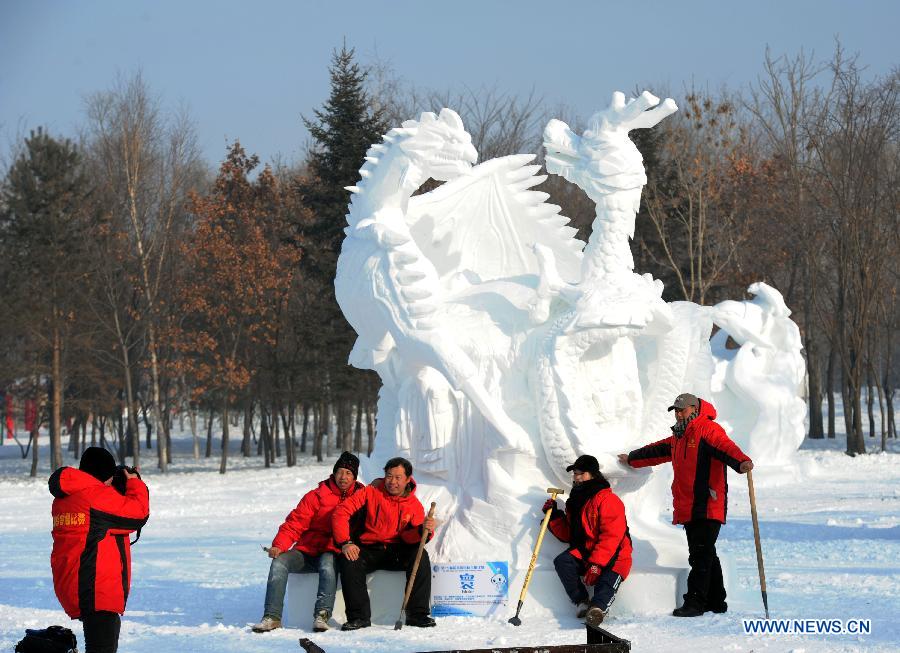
(386,590)
(654,590)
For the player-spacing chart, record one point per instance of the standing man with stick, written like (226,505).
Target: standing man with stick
(699,450)
(394,523)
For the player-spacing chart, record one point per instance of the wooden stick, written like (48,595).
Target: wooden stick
(759,556)
(415,567)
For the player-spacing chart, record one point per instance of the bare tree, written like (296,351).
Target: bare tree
(785,104)
(695,196)
(855,165)
(148,163)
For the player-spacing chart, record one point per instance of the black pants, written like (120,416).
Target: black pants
(101,631)
(392,557)
(706,589)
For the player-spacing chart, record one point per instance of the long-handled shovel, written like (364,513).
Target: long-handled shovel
(415,567)
(759,558)
(553,491)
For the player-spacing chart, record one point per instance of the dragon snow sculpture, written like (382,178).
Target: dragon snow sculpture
(505,345)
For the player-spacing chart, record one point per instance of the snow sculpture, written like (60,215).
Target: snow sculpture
(506,346)
(759,386)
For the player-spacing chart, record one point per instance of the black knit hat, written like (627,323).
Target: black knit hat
(585,463)
(347,461)
(98,462)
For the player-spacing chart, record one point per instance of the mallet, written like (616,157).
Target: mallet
(415,567)
(553,491)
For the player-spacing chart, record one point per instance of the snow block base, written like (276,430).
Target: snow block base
(654,591)
(386,590)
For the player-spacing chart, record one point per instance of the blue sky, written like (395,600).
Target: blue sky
(249,70)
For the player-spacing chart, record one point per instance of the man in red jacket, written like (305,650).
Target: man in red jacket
(594,525)
(91,558)
(304,544)
(388,539)
(699,450)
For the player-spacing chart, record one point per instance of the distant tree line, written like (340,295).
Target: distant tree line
(140,288)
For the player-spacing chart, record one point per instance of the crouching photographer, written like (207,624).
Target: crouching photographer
(95,509)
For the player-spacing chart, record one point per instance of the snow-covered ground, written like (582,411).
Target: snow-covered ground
(831,538)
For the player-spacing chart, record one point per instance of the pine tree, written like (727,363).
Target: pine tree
(41,239)
(343,130)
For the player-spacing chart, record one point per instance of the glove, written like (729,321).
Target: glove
(550,504)
(592,575)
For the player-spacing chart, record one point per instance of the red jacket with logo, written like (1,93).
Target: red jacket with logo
(308,527)
(379,518)
(603,538)
(699,457)
(91,558)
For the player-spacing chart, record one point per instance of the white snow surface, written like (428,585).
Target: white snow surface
(830,533)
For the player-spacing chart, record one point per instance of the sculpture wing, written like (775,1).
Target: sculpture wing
(488,221)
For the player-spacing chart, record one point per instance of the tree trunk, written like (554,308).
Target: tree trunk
(209,428)
(120,437)
(224,436)
(892,423)
(813,369)
(829,381)
(195,437)
(286,424)
(161,439)
(275,452)
(870,400)
(326,427)
(322,430)
(357,430)
(370,428)
(264,434)
(34,449)
(305,431)
(882,412)
(248,422)
(147,425)
(56,459)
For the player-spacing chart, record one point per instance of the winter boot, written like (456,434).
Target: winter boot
(420,621)
(594,616)
(689,609)
(320,623)
(718,608)
(266,624)
(581,609)
(356,624)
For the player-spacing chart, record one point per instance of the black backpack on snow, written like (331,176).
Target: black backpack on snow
(54,639)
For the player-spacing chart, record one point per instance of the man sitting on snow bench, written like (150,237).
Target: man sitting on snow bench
(394,522)
(304,544)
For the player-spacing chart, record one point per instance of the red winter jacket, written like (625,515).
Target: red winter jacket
(91,558)
(603,538)
(388,519)
(308,527)
(700,487)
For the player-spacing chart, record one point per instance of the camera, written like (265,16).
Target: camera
(119,479)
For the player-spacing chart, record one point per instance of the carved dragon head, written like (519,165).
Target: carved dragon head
(438,146)
(604,159)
